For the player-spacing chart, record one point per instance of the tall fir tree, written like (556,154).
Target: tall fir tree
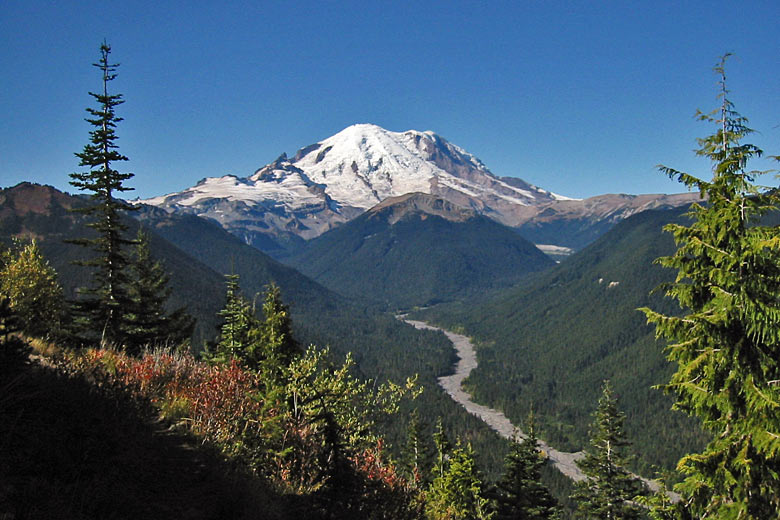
(147,323)
(520,493)
(727,346)
(609,489)
(101,307)
(416,455)
(271,344)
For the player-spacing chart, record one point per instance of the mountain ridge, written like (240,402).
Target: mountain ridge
(331,182)
(418,249)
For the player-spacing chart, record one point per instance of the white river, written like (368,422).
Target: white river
(452,384)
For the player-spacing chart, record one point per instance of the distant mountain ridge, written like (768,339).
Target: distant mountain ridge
(333,181)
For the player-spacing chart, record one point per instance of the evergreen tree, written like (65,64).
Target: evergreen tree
(271,344)
(609,488)
(238,322)
(147,322)
(457,493)
(101,308)
(520,493)
(443,449)
(31,287)
(264,345)
(415,460)
(727,346)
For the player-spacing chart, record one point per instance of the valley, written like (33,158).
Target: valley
(453,385)
(378,261)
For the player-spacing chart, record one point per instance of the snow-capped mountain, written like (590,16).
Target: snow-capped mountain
(339,178)
(364,164)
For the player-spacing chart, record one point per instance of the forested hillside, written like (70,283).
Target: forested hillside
(382,347)
(418,250)
(550,343)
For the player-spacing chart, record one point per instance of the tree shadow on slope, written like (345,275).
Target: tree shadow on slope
(72,449)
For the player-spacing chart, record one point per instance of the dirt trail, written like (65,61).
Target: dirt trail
(452,384)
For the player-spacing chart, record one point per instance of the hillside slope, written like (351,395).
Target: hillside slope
(197,257)
(31,210)
(418,249)
(549,344)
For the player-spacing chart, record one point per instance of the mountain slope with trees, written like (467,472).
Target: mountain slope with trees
(418,250)
(382,347)
(548,344)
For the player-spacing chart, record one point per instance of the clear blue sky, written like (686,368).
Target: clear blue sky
(581,98)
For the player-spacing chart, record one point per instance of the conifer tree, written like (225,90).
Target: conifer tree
(457,493)
(238,322)
(101,308)
(609,489)
(272,344)
(264,345)
(415,454)
(520,493)
(147,323)
(443,449)
(727,346)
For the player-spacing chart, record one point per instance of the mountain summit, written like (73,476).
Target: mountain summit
(365,164)
(335,180)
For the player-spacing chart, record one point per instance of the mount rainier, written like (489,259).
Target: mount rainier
(339,178)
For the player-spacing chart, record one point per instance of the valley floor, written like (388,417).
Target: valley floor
(565,462)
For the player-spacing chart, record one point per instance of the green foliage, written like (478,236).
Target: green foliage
(418,260)
(727,346)
(274,335)
(520,493)
(416,455)
(548,343)
(237,322)
(31,287)
(265,345)
(339,412)
(100,311)
(147,322)
(456,492)
(609,488)
(443,449)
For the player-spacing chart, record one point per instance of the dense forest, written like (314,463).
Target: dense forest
(127,389)
(548,344)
